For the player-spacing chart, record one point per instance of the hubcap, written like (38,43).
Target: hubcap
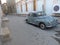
(42,26)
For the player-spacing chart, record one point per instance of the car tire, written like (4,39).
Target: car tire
(26,20)
(42,26)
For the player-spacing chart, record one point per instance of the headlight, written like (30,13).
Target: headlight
(56,19)
(49,21)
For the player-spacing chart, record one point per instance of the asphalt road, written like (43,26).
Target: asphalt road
(27,34)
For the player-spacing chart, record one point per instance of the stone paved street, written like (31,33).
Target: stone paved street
(27,34)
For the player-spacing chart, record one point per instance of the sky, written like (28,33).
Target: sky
(17,0)
(3,1)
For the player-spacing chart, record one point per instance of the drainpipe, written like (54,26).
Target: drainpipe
(26,6)
(21,6)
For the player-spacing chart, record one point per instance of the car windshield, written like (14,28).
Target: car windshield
(41,14)
(36,14)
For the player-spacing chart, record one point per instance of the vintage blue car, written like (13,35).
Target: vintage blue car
(42,20)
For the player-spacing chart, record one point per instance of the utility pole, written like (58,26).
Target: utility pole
(4,31)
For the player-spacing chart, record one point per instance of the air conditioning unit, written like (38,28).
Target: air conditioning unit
(56,8)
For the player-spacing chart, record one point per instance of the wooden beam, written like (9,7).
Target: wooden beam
(34,4)
(21,7)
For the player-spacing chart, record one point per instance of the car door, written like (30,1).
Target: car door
(30,18)
(33,18)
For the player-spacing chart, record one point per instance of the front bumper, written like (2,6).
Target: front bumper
(53,24)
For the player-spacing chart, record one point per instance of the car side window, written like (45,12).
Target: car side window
(31,14)
(34,15)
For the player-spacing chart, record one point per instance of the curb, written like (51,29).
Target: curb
(56,38)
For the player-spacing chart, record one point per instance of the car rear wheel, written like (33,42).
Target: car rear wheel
(42,26)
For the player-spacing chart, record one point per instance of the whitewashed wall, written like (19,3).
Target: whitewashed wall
(50,7)
(17,1)
(18,8)
(30,5)
(39,4)
(23,7)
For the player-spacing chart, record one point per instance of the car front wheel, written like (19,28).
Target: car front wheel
(42,26)
(26,20)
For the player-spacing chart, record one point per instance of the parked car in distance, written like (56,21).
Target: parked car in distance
(41,20)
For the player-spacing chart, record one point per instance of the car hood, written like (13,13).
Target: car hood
(49,18)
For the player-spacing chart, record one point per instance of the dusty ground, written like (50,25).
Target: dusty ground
(27,34)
